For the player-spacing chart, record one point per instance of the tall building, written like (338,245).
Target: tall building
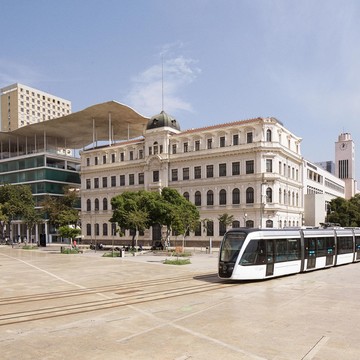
(345,163)
(22,105)
(251,169)
(327,165)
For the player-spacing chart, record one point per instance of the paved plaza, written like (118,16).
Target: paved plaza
(85,306)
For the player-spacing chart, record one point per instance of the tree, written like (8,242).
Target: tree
(62,210)
(17,203)
(177,213)
(69,232)
(31,219)
(345,212)
(134,211)
(189,218)
(226,220)
(139,210)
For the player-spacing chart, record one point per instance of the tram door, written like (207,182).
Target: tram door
(269,257)
(357,247)
(310,253)
(330,247)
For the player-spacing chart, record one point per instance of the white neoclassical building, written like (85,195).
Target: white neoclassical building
(251,169)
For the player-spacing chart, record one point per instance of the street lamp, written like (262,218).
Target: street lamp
(245,217)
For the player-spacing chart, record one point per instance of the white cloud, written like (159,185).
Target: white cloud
(168,79)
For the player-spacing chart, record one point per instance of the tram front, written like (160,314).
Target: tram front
(230,248)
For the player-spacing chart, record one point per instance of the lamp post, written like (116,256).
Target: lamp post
(245,217)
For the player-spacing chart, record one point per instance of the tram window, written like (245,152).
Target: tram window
(330,245)
(254,253)
(357,240)
(294,249)
(287,250)
(321,247)
(280,250)
(345,245)
(270,251)
(310,247)
(231,246)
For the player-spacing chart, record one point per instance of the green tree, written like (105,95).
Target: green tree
(62,210)
(138,211)
(344,212)
(189,217)
(134,211)
(17,203)
(226,220)
(177,213)
(69,232)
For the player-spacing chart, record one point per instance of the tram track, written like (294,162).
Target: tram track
(88,291)
(131,293)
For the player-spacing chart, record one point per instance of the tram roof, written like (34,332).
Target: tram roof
(79,129)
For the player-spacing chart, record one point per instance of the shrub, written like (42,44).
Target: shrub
(112,254)
(177,261)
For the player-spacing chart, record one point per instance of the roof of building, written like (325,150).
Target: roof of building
(162,120)
(108,121)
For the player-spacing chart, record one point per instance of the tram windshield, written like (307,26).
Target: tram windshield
(231,245)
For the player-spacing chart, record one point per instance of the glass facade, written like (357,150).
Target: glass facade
(45,175)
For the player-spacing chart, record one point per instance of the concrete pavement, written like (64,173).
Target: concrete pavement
(57,306)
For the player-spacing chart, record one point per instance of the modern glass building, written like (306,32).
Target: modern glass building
(45,155)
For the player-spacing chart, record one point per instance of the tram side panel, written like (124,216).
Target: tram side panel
(345,249)
(268,258)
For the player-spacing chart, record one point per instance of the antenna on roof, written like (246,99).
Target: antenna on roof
(162,82)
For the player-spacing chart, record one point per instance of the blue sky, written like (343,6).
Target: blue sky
(224,60)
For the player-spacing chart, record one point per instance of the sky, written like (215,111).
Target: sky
(205,62)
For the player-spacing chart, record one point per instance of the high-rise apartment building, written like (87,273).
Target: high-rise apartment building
(22,105)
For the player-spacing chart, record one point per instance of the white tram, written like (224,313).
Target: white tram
(248,254)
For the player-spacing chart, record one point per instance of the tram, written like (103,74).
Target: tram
(249,254)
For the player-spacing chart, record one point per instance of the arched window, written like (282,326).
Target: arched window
(222,197)
(97,229)
(198,198)
(269,195)
(210,228)
(105,203)
(293,199)
(236,196)
(88,205)
(210,198)
(289,197)
(186,196)
(96,204)
(249,223)
(285,200)
(235,224)
(249,195)
(297,199)
(280,196)
(197,231)
(88,229)
(155,148)
(268,135)
(105,229)
(113,228)
(269,224)
(280,224)
(222,228)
